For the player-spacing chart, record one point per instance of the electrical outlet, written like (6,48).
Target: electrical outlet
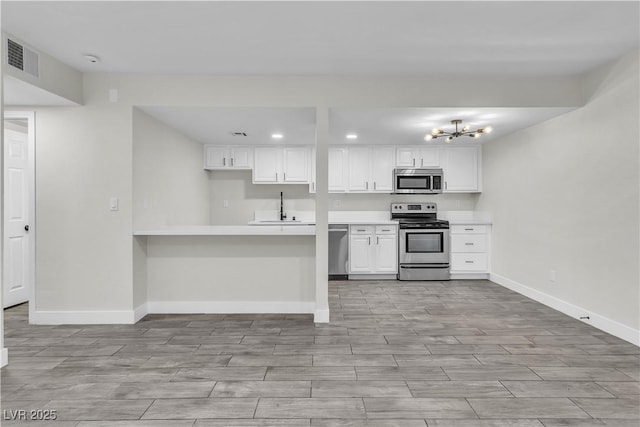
(552,276)
(337,203)
(113,204)
(225,203)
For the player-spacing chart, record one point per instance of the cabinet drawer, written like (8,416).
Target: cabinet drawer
(468,243)
(361,229)
(469,262)
(468,229)
(386,229)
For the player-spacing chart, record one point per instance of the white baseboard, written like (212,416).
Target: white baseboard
(229,307)
(82,317)
(4,357)
(139,312)
(601,322)
(321,315)
(469,276)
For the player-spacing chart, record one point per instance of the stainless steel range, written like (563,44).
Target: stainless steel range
(423,243)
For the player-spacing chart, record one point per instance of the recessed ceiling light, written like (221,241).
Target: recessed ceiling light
(277,136)
(352,136)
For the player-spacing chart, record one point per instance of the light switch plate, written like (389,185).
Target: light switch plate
(113,203)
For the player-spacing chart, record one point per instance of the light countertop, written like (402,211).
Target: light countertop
(230,230)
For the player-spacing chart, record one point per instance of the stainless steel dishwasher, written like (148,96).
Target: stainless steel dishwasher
(338,251)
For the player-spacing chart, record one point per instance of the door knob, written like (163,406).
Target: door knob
(26,227)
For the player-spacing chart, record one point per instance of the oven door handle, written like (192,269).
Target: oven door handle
(434,265)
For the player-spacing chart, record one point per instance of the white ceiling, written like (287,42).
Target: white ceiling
(499,38)
(329,37)
(391,126)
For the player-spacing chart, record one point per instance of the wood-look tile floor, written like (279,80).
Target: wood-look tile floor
(445,354)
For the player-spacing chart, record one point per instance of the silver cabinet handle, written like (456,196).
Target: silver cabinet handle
(313,185)
(369,240)
(361,230)
(469,262)
(284,176)
(469,244)
(414,162)
(421,162)
(377,240)
(366,185)
(232,161)
(374,185)
(276,176)
(386,229)
(469,229)
(445,185)
(224,161)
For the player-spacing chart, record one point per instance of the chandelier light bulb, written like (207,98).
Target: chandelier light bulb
(449,139)
(488,129)
(435,131)
(465,128)
(428,137)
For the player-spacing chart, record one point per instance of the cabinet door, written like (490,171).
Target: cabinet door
(359,169)
(295,164)
(460,166)
(312,171)
(429,157)
(266,167)
(215,157)
(386,253)
(382,163)
(337,169)
(242,158)
(360,260)
(405,157)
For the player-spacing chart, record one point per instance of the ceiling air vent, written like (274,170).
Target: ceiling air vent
(239,133)
(22,58)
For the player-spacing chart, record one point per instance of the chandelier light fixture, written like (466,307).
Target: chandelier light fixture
(459,131)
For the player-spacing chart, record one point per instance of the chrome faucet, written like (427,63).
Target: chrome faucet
(283,216)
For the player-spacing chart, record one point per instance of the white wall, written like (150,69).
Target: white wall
(83,250)
(209,271)
(244,197)
(564,197)
(170,186)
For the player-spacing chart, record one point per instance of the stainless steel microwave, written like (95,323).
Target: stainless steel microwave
(417,180)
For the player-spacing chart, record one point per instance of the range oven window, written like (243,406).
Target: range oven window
(413,183)
(424,242)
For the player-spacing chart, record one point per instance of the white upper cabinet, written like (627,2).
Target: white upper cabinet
(217,157)
(295,166)
(461,167)
(370,169)
(417,157)
(359,169)
(281,165)
(337,169)
(382,163)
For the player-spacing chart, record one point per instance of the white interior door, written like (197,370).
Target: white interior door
(17,277)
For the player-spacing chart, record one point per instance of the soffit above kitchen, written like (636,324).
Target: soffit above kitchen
(383,126)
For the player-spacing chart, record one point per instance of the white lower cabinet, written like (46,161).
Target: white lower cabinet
(373,249)
(470,246)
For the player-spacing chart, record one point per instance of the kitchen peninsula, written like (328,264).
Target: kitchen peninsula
(224,269)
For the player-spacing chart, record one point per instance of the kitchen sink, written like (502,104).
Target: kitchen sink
(278,222)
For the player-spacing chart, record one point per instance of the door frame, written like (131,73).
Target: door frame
(30,116)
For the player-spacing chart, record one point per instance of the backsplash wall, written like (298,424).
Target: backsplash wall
(244,198)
